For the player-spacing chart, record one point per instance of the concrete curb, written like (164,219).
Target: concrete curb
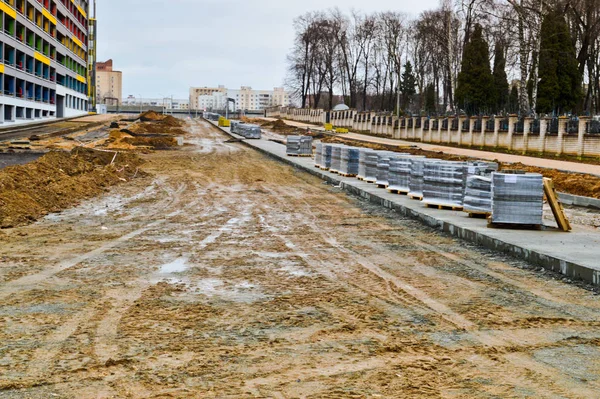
(577,200)
(550,262)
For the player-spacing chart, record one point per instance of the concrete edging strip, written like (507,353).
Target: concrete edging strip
(581,248)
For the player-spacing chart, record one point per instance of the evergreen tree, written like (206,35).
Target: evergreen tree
(430,100)
(501,89)
(407,84)
(475,88)
(559,87)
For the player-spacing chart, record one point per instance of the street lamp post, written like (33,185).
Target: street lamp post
(141,103)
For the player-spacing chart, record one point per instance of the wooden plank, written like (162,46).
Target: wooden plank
(557,208)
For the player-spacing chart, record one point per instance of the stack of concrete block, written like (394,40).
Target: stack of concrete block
(417,166)
(349,161)
(327,152)
(319,155)
(517,198)
(478,191)
(299,145)
(399,176)
(362,162)
(371,160)
(336,158)
(444,183)
(248,131)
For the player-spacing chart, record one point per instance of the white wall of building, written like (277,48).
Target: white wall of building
(245,99)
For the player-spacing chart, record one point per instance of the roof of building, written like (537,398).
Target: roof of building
(341,107)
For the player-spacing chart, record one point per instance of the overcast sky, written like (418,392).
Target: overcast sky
(164,47)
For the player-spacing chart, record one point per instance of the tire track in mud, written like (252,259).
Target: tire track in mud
(560,385)
(33,280)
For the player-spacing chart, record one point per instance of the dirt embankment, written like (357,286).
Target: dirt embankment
(571,183)
(59,180)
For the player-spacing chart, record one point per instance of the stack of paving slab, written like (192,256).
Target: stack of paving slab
(478,191)
(319,155)
(399,176)
(299,145)
(371,160)
(326,158)
(362,162)
(444,183)
(383,168)
(417,167)
(336,158)
(248,130)
(349,161)
(517,198)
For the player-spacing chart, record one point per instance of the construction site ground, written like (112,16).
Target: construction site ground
(225,274)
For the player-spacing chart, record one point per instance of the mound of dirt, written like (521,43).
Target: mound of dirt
(151,116)
(160,128)
(59,180)
(130,140)
(172,121)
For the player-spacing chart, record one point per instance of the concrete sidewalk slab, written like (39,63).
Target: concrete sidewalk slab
(575,254)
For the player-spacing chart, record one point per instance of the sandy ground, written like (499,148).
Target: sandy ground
(227,275)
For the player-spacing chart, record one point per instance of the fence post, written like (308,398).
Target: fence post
(583,121)
(496,131)
(561,134)
(512,119)
(543,133)
(526,130)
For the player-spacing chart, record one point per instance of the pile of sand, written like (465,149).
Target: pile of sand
(131,140)
(571,183)
(151,116)
(59,180)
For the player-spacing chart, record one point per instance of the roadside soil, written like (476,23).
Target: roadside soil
(224,274)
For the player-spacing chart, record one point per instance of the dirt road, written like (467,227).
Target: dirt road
(224,274)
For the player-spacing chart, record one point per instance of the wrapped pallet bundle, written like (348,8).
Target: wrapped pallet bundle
(362,162)
(327,151)
(478,191)
(444,183)
(248,130)
(371,159)
(319,155)
(417,165)
(399,176)
(336,158)
(299,145)
(517,198)
(383,168)
(349,161)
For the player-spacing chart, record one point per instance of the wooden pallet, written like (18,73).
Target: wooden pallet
(557,208)
(382,186)
(299,155)
(333,171)
(324,168)
(444,207)
(415,197)
(360,177)
(478,215)
(399,192)
(318,166)
(512,226)
(370,181)
(346,174)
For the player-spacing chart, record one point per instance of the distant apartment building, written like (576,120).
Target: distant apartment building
(246,99)
(166,102)
(109,83)
(44,59)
